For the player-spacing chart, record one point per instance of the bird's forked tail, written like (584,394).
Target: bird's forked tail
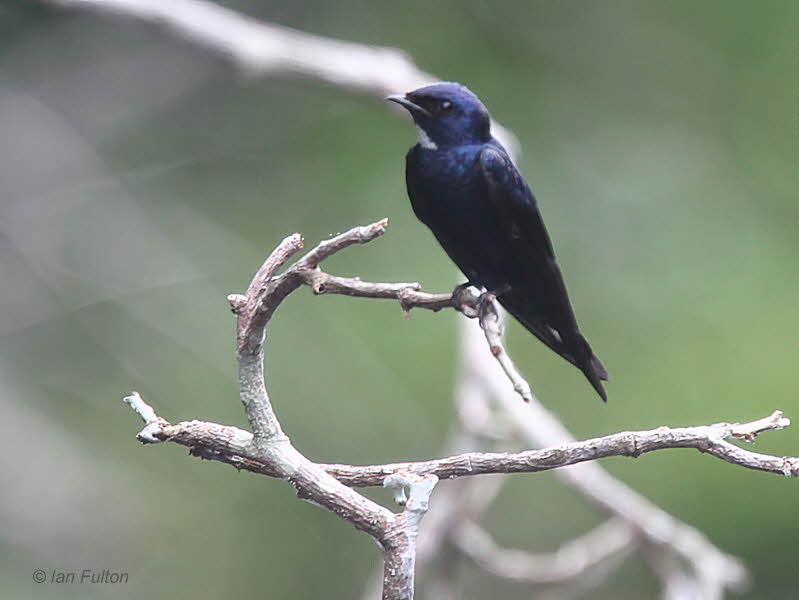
(592,368)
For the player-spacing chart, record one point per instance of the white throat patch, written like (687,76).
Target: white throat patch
(424,139)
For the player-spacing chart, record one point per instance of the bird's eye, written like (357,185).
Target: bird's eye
(446,105)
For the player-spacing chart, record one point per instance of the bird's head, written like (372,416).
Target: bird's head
(446,114)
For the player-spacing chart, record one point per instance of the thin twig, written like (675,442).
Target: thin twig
(409,295)
(491,324)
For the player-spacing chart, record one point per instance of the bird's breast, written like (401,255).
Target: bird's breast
(448,195)
(442,176)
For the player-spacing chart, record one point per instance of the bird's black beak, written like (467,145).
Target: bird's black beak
(410,106)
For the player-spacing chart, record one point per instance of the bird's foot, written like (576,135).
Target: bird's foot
(485,303)
(474,301)
(466,299)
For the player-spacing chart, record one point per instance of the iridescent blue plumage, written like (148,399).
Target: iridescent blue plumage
(466,189)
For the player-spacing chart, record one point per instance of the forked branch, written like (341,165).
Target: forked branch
(268,450)
(255,451)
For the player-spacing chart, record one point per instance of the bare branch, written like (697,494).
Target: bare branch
(246,306)
(413,493)
(491,324)
(707,438)
(269,444)
(266,292)
(268,450)
(327,248)
(153,424)
(270,291)
(233,446)
(408,294)
(254,311)
(263,49)
(571,560)
(537,426)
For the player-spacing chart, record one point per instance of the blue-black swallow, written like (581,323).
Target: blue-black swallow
(464,186)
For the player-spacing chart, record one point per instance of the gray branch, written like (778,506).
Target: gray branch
(573,559)
(269,451)
(711,572)
(413,493)
(233,446)
(269,447)
(260,49)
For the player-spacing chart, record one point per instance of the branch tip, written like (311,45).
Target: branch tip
(748,431)
(141,408)
(153,432)
(373,230)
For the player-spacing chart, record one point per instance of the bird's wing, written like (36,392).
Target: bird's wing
(515,203)
(528,238)
(538,296)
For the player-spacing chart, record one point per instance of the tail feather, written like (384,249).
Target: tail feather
(595,380)
(599,368)
(592,367)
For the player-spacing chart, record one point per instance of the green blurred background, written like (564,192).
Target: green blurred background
(142,181)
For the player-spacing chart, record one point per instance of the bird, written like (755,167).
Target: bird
(464,186)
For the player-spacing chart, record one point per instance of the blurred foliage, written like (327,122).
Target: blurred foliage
(142,181)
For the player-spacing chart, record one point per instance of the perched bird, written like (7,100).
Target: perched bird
(464,186)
